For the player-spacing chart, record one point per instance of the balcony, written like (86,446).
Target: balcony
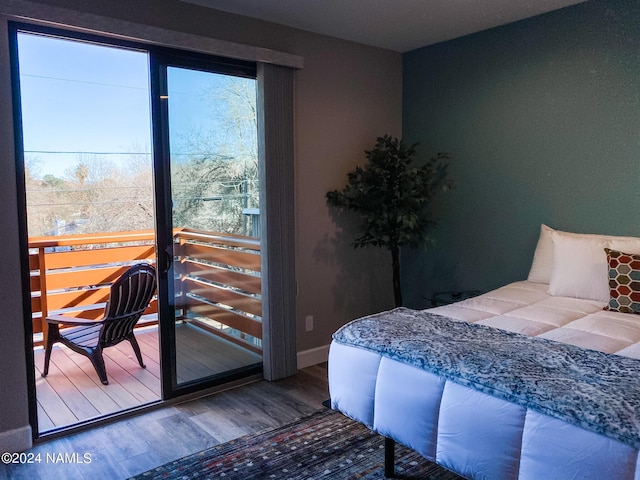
(217,299)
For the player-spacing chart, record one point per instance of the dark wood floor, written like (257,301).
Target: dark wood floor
(137,444)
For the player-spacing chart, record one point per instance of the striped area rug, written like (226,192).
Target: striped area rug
(325,445)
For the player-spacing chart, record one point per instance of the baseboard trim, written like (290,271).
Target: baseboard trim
(16,440)
(313,356)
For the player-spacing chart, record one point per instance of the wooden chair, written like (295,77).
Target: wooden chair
(128,298)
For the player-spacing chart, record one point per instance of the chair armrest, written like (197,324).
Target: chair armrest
(61,319)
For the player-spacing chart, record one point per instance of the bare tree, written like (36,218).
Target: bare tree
(218,178)
(96,195)
(214,180)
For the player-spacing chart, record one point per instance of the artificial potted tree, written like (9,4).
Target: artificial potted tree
(392,196)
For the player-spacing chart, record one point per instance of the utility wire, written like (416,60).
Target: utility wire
(87,82)
(212,154)
(89,153)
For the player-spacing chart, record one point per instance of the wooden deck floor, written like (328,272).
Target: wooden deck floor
(72,392)
(201,354)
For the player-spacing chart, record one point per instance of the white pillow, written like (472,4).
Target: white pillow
(542,263)
(626,245)
(580,267)
(543,257)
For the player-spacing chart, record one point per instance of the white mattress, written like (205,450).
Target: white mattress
(525,307)
(472,433)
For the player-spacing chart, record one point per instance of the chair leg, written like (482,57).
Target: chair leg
(47,357)
(52,336)
(136,349)
(98,363)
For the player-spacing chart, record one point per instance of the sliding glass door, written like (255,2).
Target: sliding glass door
(207,171)
(88,198)
(108,184)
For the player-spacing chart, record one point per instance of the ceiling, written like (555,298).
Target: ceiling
(399,25)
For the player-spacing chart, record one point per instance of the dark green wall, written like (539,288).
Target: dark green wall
(542,118)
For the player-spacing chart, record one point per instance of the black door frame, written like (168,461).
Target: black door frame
(159,61)
(158,57)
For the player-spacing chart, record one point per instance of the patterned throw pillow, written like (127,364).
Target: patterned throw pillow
(624,281)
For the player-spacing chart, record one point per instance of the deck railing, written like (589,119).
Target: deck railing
(218,285)
(217,279)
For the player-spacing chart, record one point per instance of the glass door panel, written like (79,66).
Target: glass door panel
(84,125)
(215,268)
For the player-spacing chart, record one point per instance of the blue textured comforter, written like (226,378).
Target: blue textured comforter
(594,390)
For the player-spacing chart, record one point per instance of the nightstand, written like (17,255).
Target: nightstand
(445,298)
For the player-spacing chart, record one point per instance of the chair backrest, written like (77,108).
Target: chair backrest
(129,297)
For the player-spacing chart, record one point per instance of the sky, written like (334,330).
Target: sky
(80,97)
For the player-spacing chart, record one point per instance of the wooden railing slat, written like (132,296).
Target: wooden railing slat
(237,258)
(77,298)
(249,243)
(242,281)
(81,258)
(77,278)
(92,239)
(232,299)
(95,311)
(227,317)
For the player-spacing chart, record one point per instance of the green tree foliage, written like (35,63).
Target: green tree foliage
(51,181)
(392,196)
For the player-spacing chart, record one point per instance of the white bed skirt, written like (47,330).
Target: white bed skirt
(469,432)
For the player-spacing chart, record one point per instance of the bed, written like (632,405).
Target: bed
(569,409)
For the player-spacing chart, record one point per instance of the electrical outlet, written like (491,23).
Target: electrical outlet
(308,322)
